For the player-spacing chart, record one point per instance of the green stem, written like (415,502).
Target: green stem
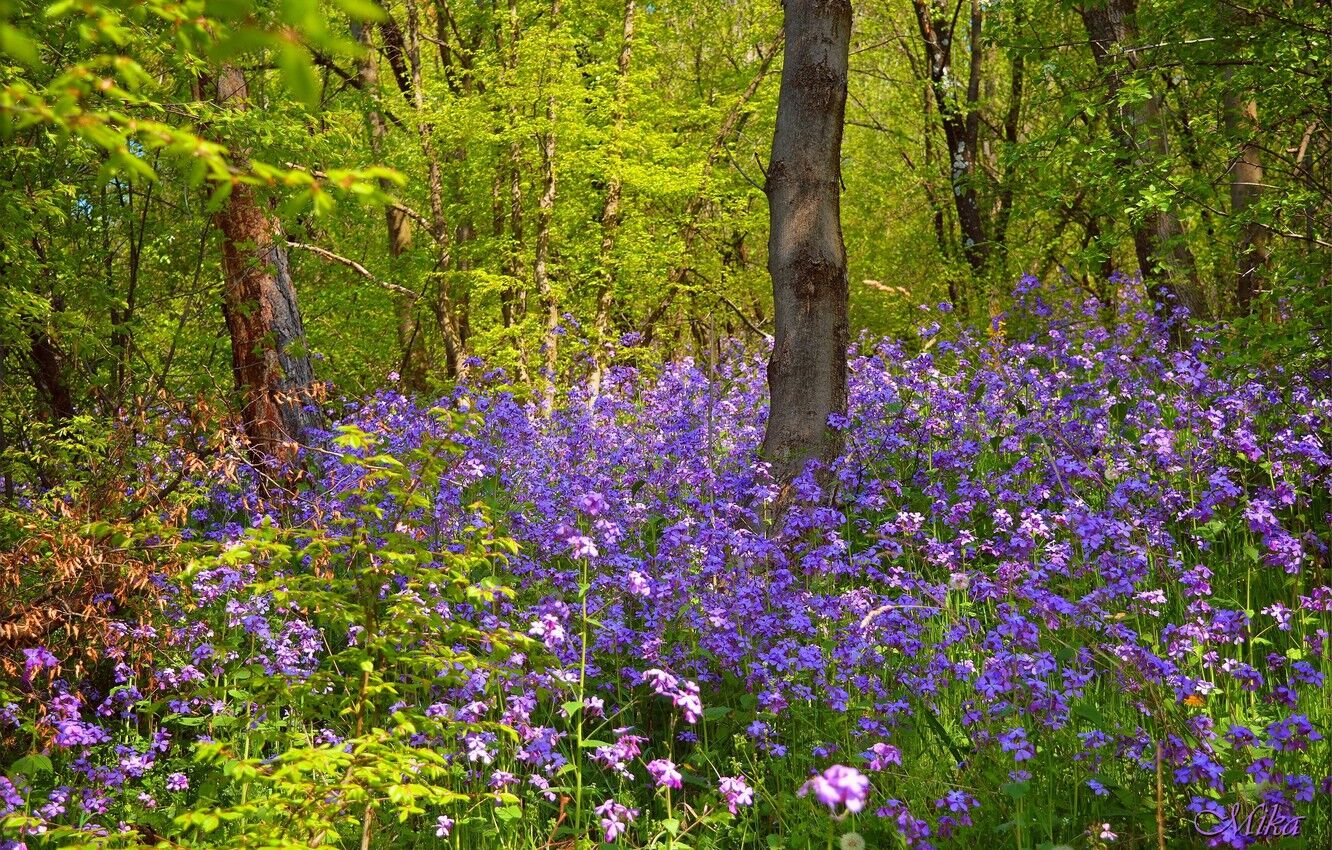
(578,725)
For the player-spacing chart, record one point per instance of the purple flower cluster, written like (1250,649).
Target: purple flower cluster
(1066,559)
(837,786)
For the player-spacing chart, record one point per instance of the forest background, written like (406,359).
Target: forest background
(551,187)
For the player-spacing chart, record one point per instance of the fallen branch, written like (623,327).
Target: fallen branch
(744,318)
(354,266)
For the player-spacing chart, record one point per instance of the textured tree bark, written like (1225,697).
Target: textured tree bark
(395,50)
(1246,179)
(459,74)
(507,197)
(610,209)
(269,354)
(807,372)
(48,374)
(1167,265)
(1012,124)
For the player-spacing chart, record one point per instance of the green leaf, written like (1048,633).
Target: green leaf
(298,74)
(1016,790)
(31,765)
(15,42)
(227,10)
(362,10)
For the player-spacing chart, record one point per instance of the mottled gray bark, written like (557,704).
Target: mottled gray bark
(807,373)
(961,121)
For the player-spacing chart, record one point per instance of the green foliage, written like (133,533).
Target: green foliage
(117,157)
(332,733)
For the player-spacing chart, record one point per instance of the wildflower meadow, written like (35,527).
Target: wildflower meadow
(1064,590)
(665,424)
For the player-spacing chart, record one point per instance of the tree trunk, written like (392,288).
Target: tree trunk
(513,300)
(610,208)
(545,213)
(1246,178)
(441,303)
(961,125)
(48,374)
(1240,112)
(395,50)
(1167,265)
(807,372)
(269,353)
(1012,124)
(399,227)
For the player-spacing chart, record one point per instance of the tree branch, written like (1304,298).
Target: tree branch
(354,266)
(749,323)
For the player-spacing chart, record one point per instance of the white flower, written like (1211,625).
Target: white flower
(851,841)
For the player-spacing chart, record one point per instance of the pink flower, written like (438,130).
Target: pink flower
(615,819)
(736,791)
(688,701)
(443,826)
(839,785)
(665,773)
(583,547)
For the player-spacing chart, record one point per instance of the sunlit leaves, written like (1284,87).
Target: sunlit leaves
(119,94)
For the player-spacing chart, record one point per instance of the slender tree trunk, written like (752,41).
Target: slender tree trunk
(48,371)
(1012,125)
(398,226)
(807,372)
(514,258)
(269,354)
(1240,111)
(545,214)
(395,50)
(1167,265)
(122,337)
(1246,179)
(442,305)
(513,298)
(961,124)
(462,82)
(610,208)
